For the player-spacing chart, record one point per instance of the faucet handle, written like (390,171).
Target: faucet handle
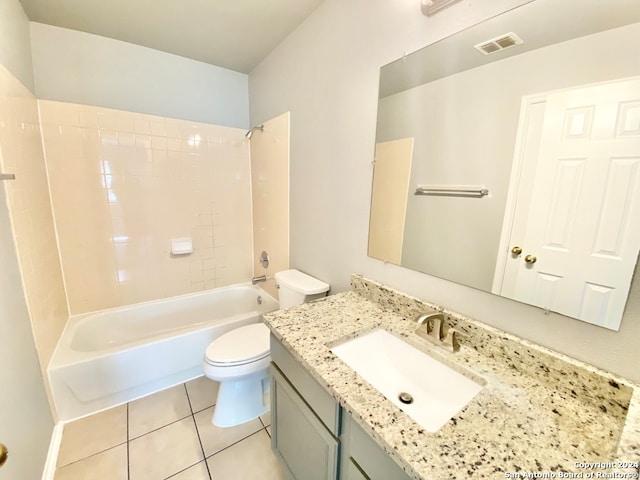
(435,327)
(451,339)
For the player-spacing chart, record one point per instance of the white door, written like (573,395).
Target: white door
(26,423)
(582,233)
(389,199)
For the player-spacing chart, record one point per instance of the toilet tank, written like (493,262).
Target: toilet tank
(296,288)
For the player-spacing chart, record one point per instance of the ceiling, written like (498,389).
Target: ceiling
(234,34)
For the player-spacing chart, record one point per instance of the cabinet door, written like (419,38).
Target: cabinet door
(299,439)
(354,472)
(363,458)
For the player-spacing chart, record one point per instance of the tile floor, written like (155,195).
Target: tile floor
(167,435)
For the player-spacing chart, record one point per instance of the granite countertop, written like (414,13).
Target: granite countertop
(539,411)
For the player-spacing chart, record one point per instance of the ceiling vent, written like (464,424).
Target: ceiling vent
(498,43)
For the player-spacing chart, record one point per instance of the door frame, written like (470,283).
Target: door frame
(524,124)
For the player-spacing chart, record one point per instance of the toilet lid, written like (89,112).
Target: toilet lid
(242,345)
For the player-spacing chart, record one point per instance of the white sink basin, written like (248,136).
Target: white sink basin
(393,367)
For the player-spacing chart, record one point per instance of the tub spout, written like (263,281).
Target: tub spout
(261,278)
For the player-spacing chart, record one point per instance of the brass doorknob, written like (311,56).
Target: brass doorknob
(530,259)
(4,454)
(516,250)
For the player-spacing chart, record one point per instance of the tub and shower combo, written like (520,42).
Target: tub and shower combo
(114,356)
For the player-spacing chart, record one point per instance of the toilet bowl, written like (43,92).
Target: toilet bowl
(240,359)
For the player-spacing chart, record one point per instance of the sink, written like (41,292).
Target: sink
(427,390)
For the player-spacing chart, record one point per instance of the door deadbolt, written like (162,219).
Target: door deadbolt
(530,259)
(516,250)
(4,454)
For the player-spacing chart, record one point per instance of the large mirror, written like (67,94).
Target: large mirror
(508,157)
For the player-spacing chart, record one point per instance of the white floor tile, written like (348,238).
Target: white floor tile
(197,472)
(96,433)
(111,464)
(166,442)
(157,410)
(215,439)
(164,452)
(266,419)
(202,393)
(263,464)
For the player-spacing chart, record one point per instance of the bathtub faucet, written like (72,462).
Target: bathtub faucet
(261,278)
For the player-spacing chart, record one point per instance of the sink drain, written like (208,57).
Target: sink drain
(405,398)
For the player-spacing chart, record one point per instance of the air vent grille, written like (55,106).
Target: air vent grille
(498,43)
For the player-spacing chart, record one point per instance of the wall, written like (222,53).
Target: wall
(123,184)
(77,67)
(25,417)
(26,421)
(15,45)
(270,197)
(444,120)
(331,88)
(31,217)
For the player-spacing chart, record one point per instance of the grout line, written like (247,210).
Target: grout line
(204,458)
(236,443)
(161,427)
(92,455)
(184,469)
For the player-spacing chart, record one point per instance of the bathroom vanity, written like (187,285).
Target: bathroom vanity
(537,412)
(313,436)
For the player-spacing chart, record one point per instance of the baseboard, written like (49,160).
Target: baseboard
(52,456)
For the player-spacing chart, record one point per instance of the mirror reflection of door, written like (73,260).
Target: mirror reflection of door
(577,219)
(389,199)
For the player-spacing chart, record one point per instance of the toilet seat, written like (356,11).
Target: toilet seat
(241,346)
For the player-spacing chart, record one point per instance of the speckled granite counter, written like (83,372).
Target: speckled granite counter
(539,412)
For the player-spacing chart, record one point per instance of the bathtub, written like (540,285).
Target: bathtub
(114,356)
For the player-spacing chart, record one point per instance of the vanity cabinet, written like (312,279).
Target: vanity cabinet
(364,459)
(311,434)
(305,420)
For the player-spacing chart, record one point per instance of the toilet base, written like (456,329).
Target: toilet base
(240,401)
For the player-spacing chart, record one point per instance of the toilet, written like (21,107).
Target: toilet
(240,359)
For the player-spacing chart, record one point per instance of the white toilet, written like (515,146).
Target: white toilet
(240,359)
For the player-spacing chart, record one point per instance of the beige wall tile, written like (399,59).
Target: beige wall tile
(270,194)
(139,181)
(31,216)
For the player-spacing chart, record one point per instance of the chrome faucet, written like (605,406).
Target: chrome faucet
(261,278)
(431,327)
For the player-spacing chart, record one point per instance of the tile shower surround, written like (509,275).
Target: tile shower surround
(30,213)
(123,184)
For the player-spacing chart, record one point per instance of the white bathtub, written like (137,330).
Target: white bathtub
(117,355)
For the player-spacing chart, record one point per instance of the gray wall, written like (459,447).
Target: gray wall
(15,47)
(331,88)
(26,422)
(77,67)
